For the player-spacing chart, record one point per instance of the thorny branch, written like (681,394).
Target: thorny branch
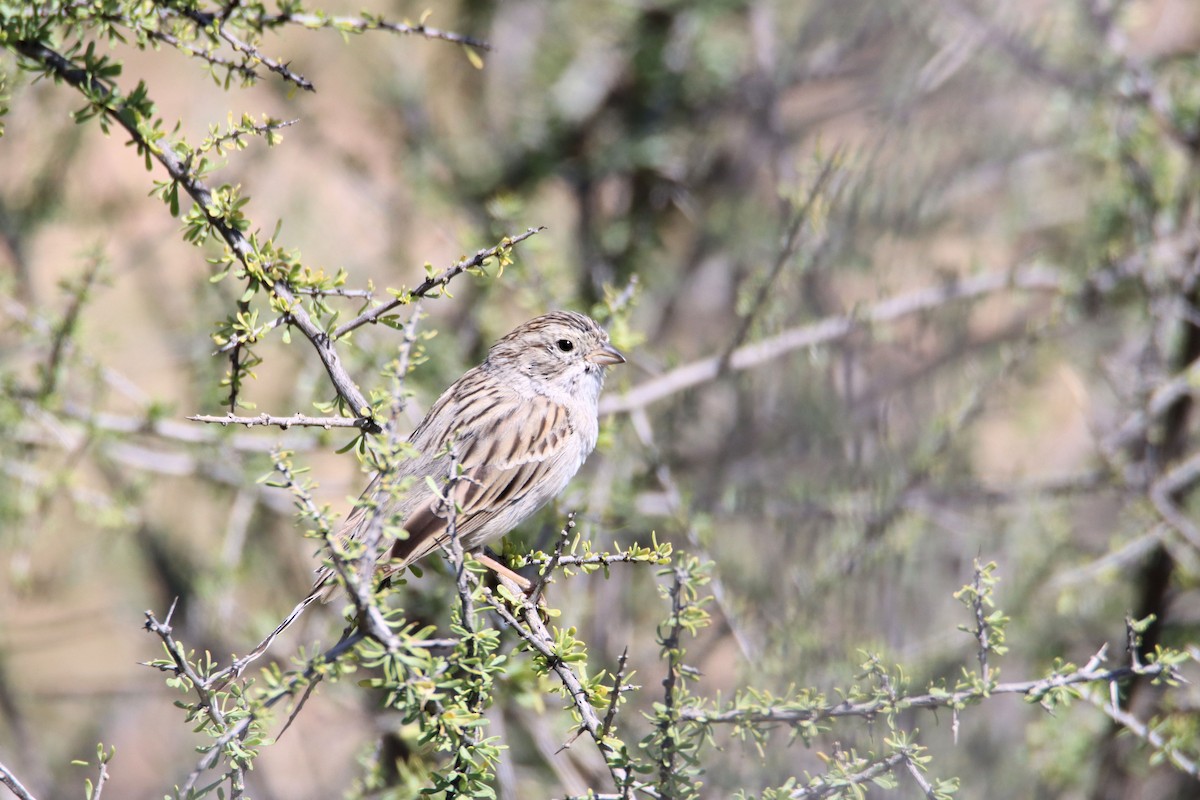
(533,631)
(547,571)
(363,24)
(184,176)
(296,420)
(437,281)
(670,646)
(867,709)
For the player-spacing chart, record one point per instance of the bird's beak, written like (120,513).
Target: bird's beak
(605,356)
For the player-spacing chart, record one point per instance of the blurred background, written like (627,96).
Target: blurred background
(1003,198)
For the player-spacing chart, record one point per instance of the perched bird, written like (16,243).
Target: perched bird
(520,424)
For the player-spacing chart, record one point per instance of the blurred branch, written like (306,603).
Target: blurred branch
(1165,494)
(833,329)
(1144,732)
(172,430)
(1031,61)
(1161,399)
(65,331)
(791,243)
(749,648)
(917,471)
(1116,561)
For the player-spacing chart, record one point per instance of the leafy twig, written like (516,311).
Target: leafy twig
(436,281)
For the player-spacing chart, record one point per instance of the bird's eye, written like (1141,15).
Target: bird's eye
(566,345)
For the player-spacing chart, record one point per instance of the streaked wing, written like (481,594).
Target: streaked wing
(505,444)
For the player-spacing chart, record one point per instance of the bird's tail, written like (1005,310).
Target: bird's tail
(240,665)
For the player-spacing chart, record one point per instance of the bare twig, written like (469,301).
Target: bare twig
(10,780)
(367,294)
(915,772)
(213,59)
(296,420)
(101,779)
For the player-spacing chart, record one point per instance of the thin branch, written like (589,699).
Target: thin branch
(982,627)
(436,281)
(533,631)
(791,243)
(364,24)
(212,22)
(915,771)
(368,294)
(832,329)
(1146,734)
(868,709)
(182,174)
(256,333)
(236,135)
(10,780)
(564,536)
(296,420)
(823,788)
